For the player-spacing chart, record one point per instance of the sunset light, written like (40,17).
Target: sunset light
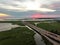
(3,15)
(37,16)
(42,16)
(29,22)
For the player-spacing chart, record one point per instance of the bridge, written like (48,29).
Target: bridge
(51,37)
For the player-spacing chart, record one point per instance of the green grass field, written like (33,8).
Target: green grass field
(53,27)
(17,36)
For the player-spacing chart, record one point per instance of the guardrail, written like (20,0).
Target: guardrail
(53,38)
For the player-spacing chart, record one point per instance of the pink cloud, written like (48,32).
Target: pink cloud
(43,16)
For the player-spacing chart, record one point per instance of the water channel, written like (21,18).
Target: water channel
(38,39)
(7,26)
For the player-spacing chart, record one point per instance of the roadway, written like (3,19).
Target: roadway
(53,38)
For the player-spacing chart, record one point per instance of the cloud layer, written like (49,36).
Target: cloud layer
(25,8)
(26,5)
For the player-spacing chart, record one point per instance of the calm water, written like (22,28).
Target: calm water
(7,26)
(38,39)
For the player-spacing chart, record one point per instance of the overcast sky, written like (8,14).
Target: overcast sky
(26,8)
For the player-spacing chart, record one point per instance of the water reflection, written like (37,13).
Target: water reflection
(7,26)
(38,39)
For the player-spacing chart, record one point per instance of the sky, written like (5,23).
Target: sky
(27,8)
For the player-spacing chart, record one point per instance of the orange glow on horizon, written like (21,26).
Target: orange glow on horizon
(3,15)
